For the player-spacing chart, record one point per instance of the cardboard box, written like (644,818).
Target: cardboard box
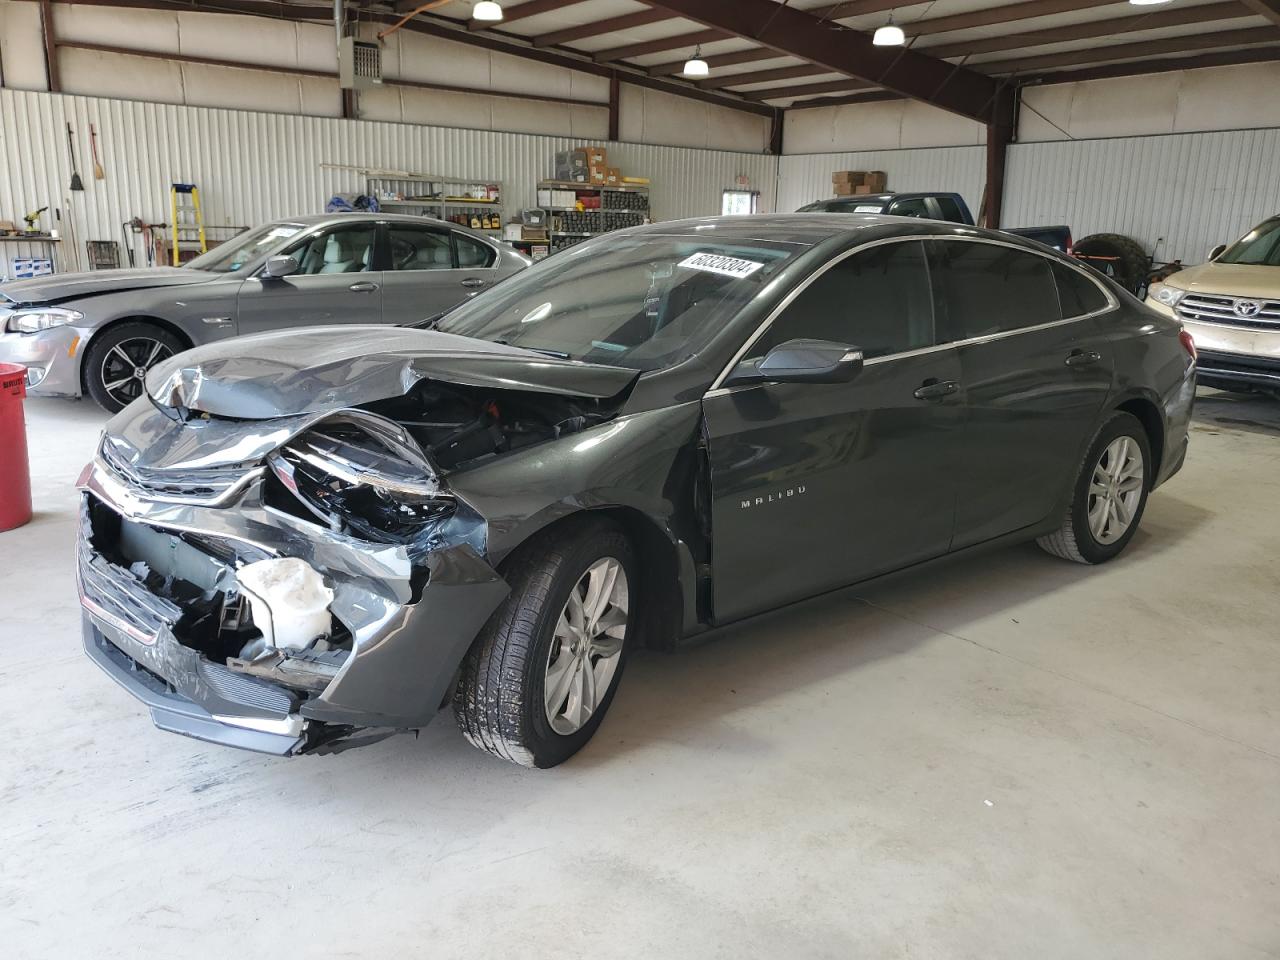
(533,233)
(512,231)
(597,175)
(847,177)
(595,156)
(862,189)
(877,180)
(612,176)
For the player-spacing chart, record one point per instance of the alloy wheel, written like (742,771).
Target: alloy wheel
(586,646)
(124,368)
(1115,490)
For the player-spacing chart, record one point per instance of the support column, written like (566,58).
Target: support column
(50,47)
(1000,132)
(775,132)
(615,96)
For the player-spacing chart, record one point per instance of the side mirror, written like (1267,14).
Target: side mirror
(1217,251)
(801,361)
(278,267)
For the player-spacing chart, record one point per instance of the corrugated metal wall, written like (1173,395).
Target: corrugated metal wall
(253,167)
(1194,190)
(807,177)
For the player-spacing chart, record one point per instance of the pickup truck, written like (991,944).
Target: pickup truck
(1111,254)
(932,206)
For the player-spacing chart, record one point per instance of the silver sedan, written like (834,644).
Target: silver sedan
(100,332)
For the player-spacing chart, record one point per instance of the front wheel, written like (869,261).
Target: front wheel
(1109,495)
(538,680)
(117,361)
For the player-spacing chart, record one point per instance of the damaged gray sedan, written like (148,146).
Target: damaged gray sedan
(303,541)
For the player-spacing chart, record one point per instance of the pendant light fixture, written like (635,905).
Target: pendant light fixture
(695,66)
(487,10)
(890,35)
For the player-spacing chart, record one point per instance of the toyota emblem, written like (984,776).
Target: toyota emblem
(1248,308)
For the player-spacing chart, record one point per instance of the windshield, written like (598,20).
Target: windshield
(1259,247)
(241,250)
(644,301)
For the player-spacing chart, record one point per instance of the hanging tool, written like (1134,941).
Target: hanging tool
(98,172)
(76,184)
(33,220)
(184,203)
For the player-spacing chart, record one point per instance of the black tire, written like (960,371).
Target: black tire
(1074,540)
(105,367)
(499,699)
(1130,267)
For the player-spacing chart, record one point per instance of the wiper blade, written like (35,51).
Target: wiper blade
(554,354)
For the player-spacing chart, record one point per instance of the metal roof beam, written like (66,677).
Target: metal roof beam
(611,25)
(902,70)
(1143,48)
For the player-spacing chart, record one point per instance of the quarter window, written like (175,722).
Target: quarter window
(878,300)
(987,288)
(419,248)
(1077,293)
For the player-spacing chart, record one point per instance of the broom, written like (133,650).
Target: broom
(75,176)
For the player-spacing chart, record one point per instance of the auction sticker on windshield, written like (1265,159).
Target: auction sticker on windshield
(716,263)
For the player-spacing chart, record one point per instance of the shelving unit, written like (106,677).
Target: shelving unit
(442,198)
(621,206)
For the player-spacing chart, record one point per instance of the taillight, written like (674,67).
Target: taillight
(1071,245)
(1188,344)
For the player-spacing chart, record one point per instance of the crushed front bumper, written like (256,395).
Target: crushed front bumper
(410,624)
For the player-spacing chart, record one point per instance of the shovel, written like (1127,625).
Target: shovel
(98,172)
(75,177)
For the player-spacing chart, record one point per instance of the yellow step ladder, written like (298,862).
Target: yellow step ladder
(188,223)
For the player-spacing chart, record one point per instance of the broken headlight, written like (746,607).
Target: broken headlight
(363,475)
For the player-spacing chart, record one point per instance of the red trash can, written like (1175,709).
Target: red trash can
(15,470)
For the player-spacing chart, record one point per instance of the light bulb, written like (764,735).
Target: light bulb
(487,10)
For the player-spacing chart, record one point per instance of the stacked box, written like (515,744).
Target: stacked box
(846,183)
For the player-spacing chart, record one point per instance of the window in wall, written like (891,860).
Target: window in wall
(739,202)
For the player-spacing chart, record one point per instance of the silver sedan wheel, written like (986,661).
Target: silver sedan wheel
(1115,490)
(586,646)
(125,367)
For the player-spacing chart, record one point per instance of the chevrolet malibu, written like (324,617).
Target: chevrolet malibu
(98,333)
(297,542)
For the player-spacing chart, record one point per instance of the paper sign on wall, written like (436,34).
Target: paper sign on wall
(715,263)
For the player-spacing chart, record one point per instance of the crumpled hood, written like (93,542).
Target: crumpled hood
(57,287)
(317,369)
(1229,280)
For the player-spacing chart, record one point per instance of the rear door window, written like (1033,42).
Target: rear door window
(911,207)
(472,253)
(987,288)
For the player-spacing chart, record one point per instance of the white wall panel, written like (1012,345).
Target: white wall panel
(804,178)
(884,125)
(21,47)
(252,167)
(1193,190)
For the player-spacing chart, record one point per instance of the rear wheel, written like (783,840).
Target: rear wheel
(1109,495)
(538,680)
(117,361)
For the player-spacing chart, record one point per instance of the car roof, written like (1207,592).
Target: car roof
(313,219)
(809,229)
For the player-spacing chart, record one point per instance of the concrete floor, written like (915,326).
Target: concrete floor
(1014,757)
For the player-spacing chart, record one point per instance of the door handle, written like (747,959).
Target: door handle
(473,282)
(935,389)
(364,286)
(1082,358)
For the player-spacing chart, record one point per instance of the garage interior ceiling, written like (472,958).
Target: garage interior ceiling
(766,54)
